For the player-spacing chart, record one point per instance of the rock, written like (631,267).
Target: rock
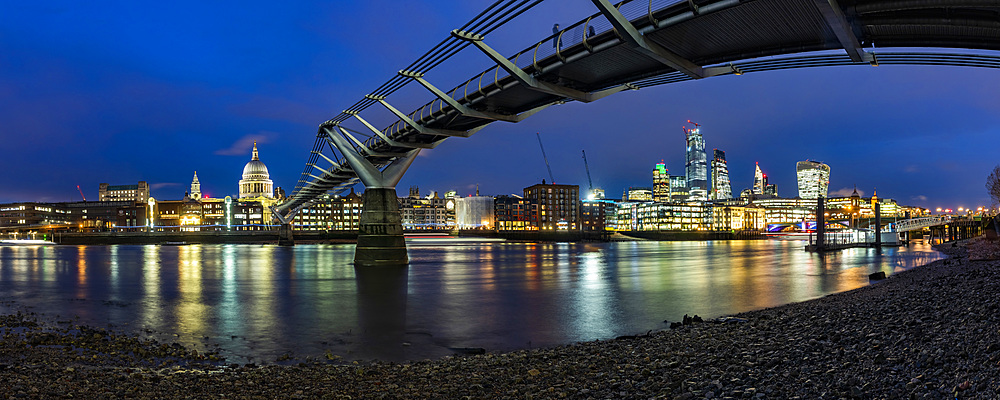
(877,276)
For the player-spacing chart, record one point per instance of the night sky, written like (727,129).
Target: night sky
(122,91)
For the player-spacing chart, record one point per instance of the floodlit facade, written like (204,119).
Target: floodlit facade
(138,193)
(663,217)
(696,165)
(195,187)
(813,178)
(474,212)
(256,182)
(738,218)
(722,189)
(661,183)
(637,193)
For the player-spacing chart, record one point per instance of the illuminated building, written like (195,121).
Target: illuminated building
(738,218)
(136,193)
(638,193)
(330,213)
(696,165)
(474,212)
(678,189)
(661,183)
(256,186)
(813,178)
(662,216)
(514,213)
(721,187)
(256,182)
(597,214)
(770,190)
(195,187)
(431,212)
(759,180)
(558,206)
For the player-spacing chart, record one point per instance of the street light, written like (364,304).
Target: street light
(151,202)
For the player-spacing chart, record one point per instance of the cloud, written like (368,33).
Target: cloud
(243,145)
(156,186)
(919,197)
(845,192)
(911,169)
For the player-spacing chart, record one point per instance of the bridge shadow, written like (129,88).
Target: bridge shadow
(382,311)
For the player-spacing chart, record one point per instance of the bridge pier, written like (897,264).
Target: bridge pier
(285,236)
(380,232)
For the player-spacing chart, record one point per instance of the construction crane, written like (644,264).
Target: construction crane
(689,131)
(590,183)
(81,192)
(544,157)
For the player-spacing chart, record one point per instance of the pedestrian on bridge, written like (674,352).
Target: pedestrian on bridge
(555,35)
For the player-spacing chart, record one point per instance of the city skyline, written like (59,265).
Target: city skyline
(123,103)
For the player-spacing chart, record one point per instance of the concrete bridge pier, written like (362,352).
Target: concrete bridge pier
(380,231)
(285,237)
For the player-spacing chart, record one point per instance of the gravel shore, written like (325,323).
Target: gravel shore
(932,332)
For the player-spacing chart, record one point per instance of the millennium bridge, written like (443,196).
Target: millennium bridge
(631,45)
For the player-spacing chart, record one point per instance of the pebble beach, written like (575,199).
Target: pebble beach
(932,332)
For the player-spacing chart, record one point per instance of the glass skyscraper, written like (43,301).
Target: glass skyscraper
(721,188)
(696,166)
(813,178)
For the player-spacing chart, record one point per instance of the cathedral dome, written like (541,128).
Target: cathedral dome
(255,169)
(256,180)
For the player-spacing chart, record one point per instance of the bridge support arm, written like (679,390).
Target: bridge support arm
(837,22)
(386,138)
(369,174)
(651,49)
(420,128)
(527,80)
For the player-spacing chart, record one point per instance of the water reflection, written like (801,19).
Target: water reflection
(382,311)
(255,303)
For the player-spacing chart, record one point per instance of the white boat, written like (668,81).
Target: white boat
(25,242)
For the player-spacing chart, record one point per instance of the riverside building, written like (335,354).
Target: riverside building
(558,206)
(137,193)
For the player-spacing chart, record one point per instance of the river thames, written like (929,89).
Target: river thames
(254,303)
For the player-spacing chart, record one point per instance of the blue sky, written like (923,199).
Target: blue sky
(119,91)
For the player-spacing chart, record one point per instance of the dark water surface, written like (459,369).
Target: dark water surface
(255,303)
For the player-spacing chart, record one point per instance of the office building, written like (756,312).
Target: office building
(638,193)
(678,188)
(661,183)
(813,178)
(759,180)
(722,189)
(696,165)
(137,193)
